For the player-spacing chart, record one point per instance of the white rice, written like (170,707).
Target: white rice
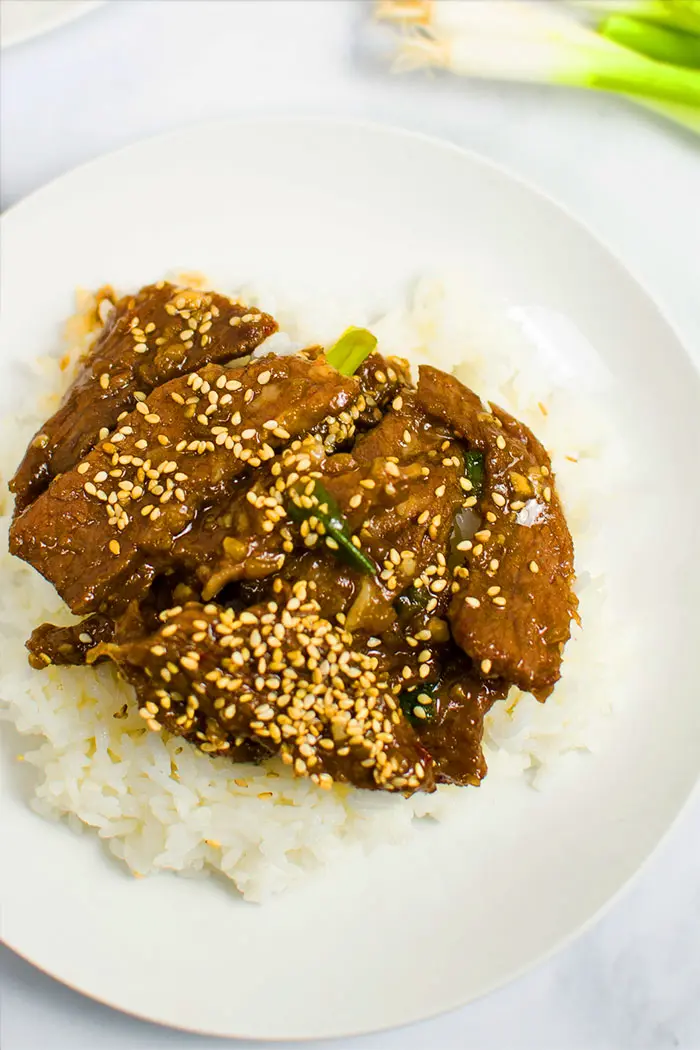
(163,805)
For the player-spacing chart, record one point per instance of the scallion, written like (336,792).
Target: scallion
(654,41)
(321,505)
(354,345)
(545,43)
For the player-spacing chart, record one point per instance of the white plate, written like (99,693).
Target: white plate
(464,907)
(20,20)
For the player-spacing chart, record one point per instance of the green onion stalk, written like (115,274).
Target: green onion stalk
(653,58)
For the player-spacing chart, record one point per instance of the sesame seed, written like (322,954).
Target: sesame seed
(486,666)
(498,499)
(114,546)
(534,567)
(264,378)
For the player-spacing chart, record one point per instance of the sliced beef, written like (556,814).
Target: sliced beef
(49,644)
(398,492)
(513,610)
(282,675)
(229,541)
(381,379)
(154,336)
(102,531)
(451,723)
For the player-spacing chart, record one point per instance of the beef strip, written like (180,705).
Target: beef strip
(102,531)
(454,727)
(154,336)
(381,379)
(282,675)
(395,494)
(49,644)
(513,611)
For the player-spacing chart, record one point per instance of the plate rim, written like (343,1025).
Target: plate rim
(13,214)
(656,300)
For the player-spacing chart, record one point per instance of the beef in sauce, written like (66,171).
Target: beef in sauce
(149,338)
(513,611)
(278,556)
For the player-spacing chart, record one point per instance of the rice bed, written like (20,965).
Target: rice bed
(161,804)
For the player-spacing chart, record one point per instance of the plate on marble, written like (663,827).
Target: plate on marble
(466,905)
(21,20)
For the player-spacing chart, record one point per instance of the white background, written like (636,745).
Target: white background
(136,67)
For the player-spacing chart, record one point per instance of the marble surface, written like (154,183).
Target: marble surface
(136,67)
